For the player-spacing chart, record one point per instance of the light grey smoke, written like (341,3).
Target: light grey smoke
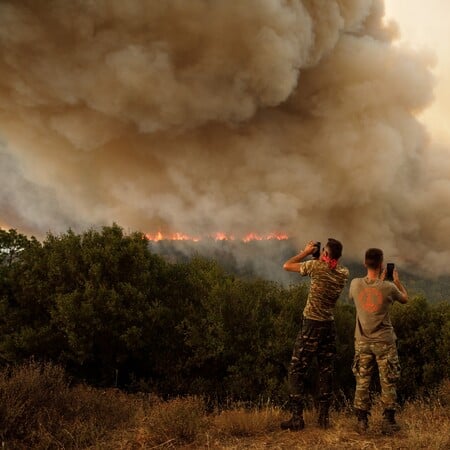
(210,115)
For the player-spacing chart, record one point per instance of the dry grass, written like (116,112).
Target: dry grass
(177,422)
(424,426)
(244,422)
(38,410)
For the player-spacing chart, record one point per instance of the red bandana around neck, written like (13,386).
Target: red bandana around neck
(332,263)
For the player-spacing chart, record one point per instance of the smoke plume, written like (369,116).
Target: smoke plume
(214,115)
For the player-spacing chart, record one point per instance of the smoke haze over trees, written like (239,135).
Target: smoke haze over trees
(264,259)
(197,116)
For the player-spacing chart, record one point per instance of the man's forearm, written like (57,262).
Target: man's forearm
(401,288)
(298,258)
(293,264)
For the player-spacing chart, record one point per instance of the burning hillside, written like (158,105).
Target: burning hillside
(218,236)
(262,258)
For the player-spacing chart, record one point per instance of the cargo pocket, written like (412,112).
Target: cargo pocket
(356,365)
(393,370)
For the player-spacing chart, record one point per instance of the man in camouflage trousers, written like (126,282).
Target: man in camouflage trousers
(375,339)
(317,336)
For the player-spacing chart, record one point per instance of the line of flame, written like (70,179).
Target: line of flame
(218,236)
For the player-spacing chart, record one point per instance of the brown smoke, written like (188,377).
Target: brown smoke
(213,115)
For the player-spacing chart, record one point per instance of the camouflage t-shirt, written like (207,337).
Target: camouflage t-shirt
(326,286)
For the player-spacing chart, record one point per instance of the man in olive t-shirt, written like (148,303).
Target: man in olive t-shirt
(375,339)
(317,337)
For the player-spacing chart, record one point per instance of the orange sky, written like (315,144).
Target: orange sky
(424,25)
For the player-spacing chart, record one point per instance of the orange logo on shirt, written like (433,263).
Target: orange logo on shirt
(370,299)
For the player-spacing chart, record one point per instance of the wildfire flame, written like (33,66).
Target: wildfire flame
(156,237)
(267,237)
(218,236)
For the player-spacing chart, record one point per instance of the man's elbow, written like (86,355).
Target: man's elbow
(290,267)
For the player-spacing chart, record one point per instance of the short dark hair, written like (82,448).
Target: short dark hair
(334,248)
(373,258)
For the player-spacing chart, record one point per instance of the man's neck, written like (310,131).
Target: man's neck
(373,274)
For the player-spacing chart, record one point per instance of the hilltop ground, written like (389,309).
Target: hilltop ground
(430,431)
(424,426)
(39,409)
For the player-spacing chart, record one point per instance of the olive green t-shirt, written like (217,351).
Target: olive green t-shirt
(326,286)
(373,299)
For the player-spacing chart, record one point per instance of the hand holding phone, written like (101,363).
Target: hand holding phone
(389,272)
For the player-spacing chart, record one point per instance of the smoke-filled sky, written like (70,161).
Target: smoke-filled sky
(301,116)
(424,25)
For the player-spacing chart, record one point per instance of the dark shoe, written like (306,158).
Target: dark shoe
(295,423)
(389,425)
(363,420)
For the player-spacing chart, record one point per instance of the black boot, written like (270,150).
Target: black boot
(296,422)
(363,420)
(324,419)
(389,425)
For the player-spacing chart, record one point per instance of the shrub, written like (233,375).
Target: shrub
(443,393)
(38,409)
(179,421)
(31,395)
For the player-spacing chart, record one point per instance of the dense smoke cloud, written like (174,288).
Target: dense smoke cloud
(210,115)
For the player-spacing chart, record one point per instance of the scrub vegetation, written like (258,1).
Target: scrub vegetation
(41,409)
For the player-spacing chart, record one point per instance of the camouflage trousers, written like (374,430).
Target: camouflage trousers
(315,339)
(367,357)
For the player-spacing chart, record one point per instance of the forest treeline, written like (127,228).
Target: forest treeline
(113,313)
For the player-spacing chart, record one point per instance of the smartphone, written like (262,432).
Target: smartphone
(389,272)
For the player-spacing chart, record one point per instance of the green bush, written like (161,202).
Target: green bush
(423,332)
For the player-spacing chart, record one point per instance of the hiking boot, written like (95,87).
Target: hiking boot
(389,425)
(295,423)
(363,420)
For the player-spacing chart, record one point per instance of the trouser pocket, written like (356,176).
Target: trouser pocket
(356,365)
(393,370)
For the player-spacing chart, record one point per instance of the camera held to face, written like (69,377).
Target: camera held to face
(316,253)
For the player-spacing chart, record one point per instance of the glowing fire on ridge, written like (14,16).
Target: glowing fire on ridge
(218,236)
